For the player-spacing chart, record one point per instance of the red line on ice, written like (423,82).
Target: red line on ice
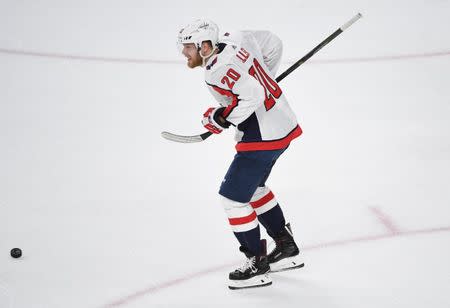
(385,58)
(385,220)
(153,289)
(156,61)
(167,284)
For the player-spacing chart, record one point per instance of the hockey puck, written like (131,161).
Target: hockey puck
(16,253)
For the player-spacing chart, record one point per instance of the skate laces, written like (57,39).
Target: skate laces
(248,264)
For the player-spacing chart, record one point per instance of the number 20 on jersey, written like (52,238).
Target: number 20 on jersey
(271,88)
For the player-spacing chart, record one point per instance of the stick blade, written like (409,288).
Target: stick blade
(182,139)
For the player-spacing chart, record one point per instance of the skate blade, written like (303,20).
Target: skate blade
(287,264)
(255,282)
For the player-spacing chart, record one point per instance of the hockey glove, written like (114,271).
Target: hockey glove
(213,120)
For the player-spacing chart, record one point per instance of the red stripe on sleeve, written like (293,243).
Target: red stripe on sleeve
(234,101)
(242,220)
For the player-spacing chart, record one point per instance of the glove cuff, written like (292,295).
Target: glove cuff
(219,119)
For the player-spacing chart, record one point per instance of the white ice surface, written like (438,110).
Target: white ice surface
(109,214)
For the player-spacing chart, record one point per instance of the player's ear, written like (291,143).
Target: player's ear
(207,43)
(206,46)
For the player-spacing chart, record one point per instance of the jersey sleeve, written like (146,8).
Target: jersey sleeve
(245,94)
(271,48)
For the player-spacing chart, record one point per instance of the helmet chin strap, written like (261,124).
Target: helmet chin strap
(205,58)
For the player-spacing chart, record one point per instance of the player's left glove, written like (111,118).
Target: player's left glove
(213,120)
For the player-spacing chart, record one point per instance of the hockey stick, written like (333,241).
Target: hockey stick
(201,137)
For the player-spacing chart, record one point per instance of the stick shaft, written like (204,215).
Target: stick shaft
(318,47)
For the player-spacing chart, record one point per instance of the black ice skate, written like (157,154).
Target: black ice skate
(285,256)
(253,273)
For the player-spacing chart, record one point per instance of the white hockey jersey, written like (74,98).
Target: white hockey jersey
(242,78)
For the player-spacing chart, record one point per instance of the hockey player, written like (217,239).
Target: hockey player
(240,72)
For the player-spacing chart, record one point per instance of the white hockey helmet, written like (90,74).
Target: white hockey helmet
(197,32)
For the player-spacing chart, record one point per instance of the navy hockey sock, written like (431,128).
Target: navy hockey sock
(273,220)
(251,240)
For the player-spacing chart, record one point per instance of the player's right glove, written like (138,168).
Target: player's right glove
(213,120)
